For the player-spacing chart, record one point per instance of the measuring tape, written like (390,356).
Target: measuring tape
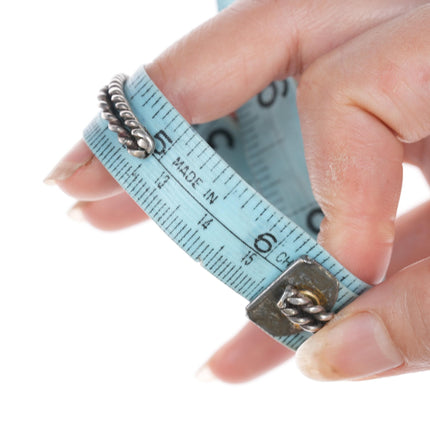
(204,186)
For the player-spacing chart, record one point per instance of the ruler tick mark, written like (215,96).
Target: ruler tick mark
(231,191)
(149,99)
(224,269)
(156,102)
(167,113)
(198,247)
(200,255)
(143,95)
(159,110)
(184,236)
(207,255)
(174,219)
(228,273)
(220,266)
(168,125)
(195,241)
(155,216)
(149,209)
(303,244)
(249,199)
(179,231)
(220,174)
(207,161)
(215,165)
(233,274)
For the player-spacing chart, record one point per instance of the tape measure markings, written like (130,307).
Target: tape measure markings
(199,183)
(141,192)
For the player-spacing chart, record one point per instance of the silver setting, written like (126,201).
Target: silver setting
(303,310)
(299,300)
(121,119)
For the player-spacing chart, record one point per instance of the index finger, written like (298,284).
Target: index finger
(372,96)
(224,62)
(230,58)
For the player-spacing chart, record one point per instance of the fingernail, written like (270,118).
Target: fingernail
(205,374)
(76,158)
(76,212)
(355,347)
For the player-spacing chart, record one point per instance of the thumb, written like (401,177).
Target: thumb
(358,104)
(384,332)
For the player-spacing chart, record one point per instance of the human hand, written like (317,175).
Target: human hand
(353,105)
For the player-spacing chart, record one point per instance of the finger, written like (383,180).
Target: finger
(384,332)
(412,244)
(249,354)
(227,363)
(112,213)
(412,241)
(353,106)
(82,176)
(226,61)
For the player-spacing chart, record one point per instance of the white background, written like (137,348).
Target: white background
(106,330)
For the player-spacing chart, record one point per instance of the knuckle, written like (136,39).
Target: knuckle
(320,86)
(403,78)
(388,77)
(408,92)
(309,87)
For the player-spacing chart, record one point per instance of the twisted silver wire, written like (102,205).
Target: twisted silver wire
(302,311)
(121,119)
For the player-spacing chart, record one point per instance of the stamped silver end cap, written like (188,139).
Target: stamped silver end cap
(306,275)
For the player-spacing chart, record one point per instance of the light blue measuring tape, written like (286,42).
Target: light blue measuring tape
(204,187)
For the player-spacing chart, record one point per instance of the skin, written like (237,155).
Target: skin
(363,97)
